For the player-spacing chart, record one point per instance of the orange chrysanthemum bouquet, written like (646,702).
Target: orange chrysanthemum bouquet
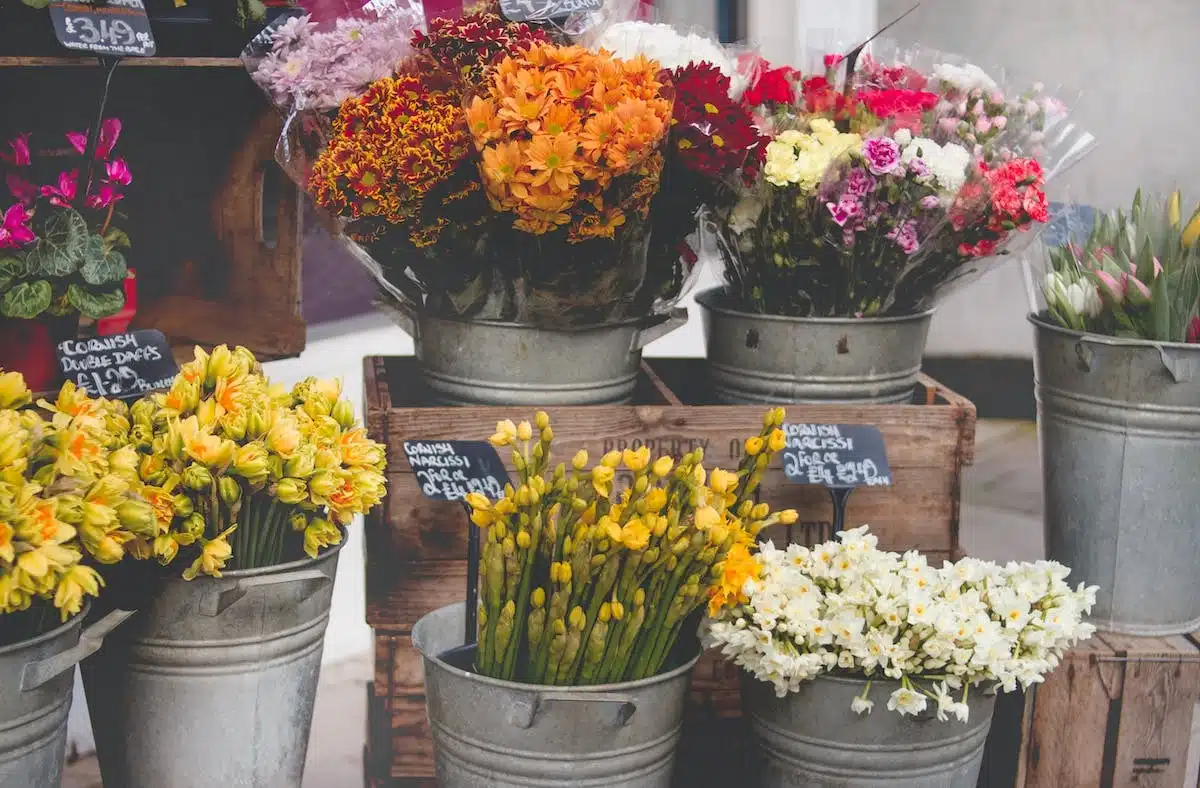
(495,171)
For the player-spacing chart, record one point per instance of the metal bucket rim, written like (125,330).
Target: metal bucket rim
(1038,320)
(640,323)
(515,686)
(708,300)
(237,574)
(74,621)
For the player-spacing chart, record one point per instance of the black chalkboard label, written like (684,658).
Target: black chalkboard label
(837,456)
(121,366)
(449,470)
(117,28)
(545,10)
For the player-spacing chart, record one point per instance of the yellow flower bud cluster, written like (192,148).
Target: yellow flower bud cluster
(68,497)
(581,586)
(239,469)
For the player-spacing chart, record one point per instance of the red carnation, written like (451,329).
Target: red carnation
(773,86)
(820,97)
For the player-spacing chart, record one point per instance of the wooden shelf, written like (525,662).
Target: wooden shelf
(85,60)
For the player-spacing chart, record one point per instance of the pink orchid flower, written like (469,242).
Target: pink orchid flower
(20,156)
(64,193)
(117,172)
(15,231)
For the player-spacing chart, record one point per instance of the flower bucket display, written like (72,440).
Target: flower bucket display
(60,250)
(588,601)
(59,496)
(825,634)
(499,180)
(882,186)
(1118,388)
(250,485)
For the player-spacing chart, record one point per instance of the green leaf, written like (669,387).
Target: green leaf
(116,239)
(1160,311)
(103,268)
(27,300)
(11,269)
(96,304)
(38,4)
(61,245)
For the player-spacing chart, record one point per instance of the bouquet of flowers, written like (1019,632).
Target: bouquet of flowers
(787,616)
(1137,275)
(581,585)
(59,249)
(68,500)
(240,470)
(482,168)
(884,183)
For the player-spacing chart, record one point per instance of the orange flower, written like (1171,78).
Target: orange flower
(553,159)
(482,120)
(502,163)
(740,566)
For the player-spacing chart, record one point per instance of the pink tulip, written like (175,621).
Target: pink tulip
(1114,290)
(1139,287)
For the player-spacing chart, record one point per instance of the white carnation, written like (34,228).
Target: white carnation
(671,49)
(966,77)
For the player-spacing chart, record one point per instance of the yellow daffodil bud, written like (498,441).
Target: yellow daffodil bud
(138,517)
(524,540)
(75,583)
(220,364)
(256,424)
(509,546)
(538,597)
(291,491)
(245,362)
(524,431)
(611,460)
(717,535)
(142,412)
(194,525)
(605,612)
(662,466)
(617,610)
(555,571)
(343,414)
(639,597)
(230,490)
(320,534)
(754,445)
(564,573)
(197,477)
(541,419)
(182,505)
(602,476)
(482,517)
(722,482)
(13,392)
(547,436)
(206,413)
(478,501)
(580,460)
(500,531)
(598,559)
(777,440)
(707,517)
(298,521)
(650,556)
(788,516)
(275,466)
(577,618)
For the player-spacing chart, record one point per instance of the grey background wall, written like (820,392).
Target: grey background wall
(1136,63)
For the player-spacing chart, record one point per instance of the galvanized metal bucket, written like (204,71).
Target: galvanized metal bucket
(812,739)
(495,363)
(772,359)
(1119,426)
(507,735)
(213,684)
(35,699)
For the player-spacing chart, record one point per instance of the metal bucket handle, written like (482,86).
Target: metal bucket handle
(677,318)
(37,673)
(1179,365)
(217,602)
(402,314)
(525,710)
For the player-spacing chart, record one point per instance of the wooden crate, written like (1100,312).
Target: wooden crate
(1117,713)
(416,548)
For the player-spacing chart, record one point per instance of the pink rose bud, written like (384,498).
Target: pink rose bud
(979,109)
(983,125)
(997,98)
(999,122)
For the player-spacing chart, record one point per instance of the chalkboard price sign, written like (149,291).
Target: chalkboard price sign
(836,455)
(121,366)
(545,10)
(449,470)
(116,28)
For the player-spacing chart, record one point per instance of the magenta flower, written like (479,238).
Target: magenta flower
(930,202)
(78,140)
(882,154)
(103,197)
(859,182)
(110,132)
(64,193)
(26,192)
(117,172)
(20,155)
(845,210)
(905,236)
(15,232)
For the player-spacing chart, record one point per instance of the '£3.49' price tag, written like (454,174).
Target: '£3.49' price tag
(117,28)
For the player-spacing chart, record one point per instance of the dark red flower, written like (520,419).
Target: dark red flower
(772,86)
(821,97)
(710,133)
(1193,334)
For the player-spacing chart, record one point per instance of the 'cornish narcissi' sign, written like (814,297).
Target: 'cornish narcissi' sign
(449,470)
(121,366)
(837,456)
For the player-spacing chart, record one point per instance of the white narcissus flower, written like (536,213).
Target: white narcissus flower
(861,705)
(671,49)
(907,702)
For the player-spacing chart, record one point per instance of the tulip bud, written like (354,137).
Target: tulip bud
(524,540)
(291,491)
(754,445)
(788,516)
(541,419)
(538,597)
(231,491)
(197,477)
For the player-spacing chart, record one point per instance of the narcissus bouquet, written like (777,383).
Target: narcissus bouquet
(1136,276)
(59,247)
(884,184)
(848,607)
(245,474)
(580,584)
(68,501)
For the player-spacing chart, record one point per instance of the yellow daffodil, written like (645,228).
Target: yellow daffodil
(13,392)
(213,555)
(602,477)
(777,440)
(74,584)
